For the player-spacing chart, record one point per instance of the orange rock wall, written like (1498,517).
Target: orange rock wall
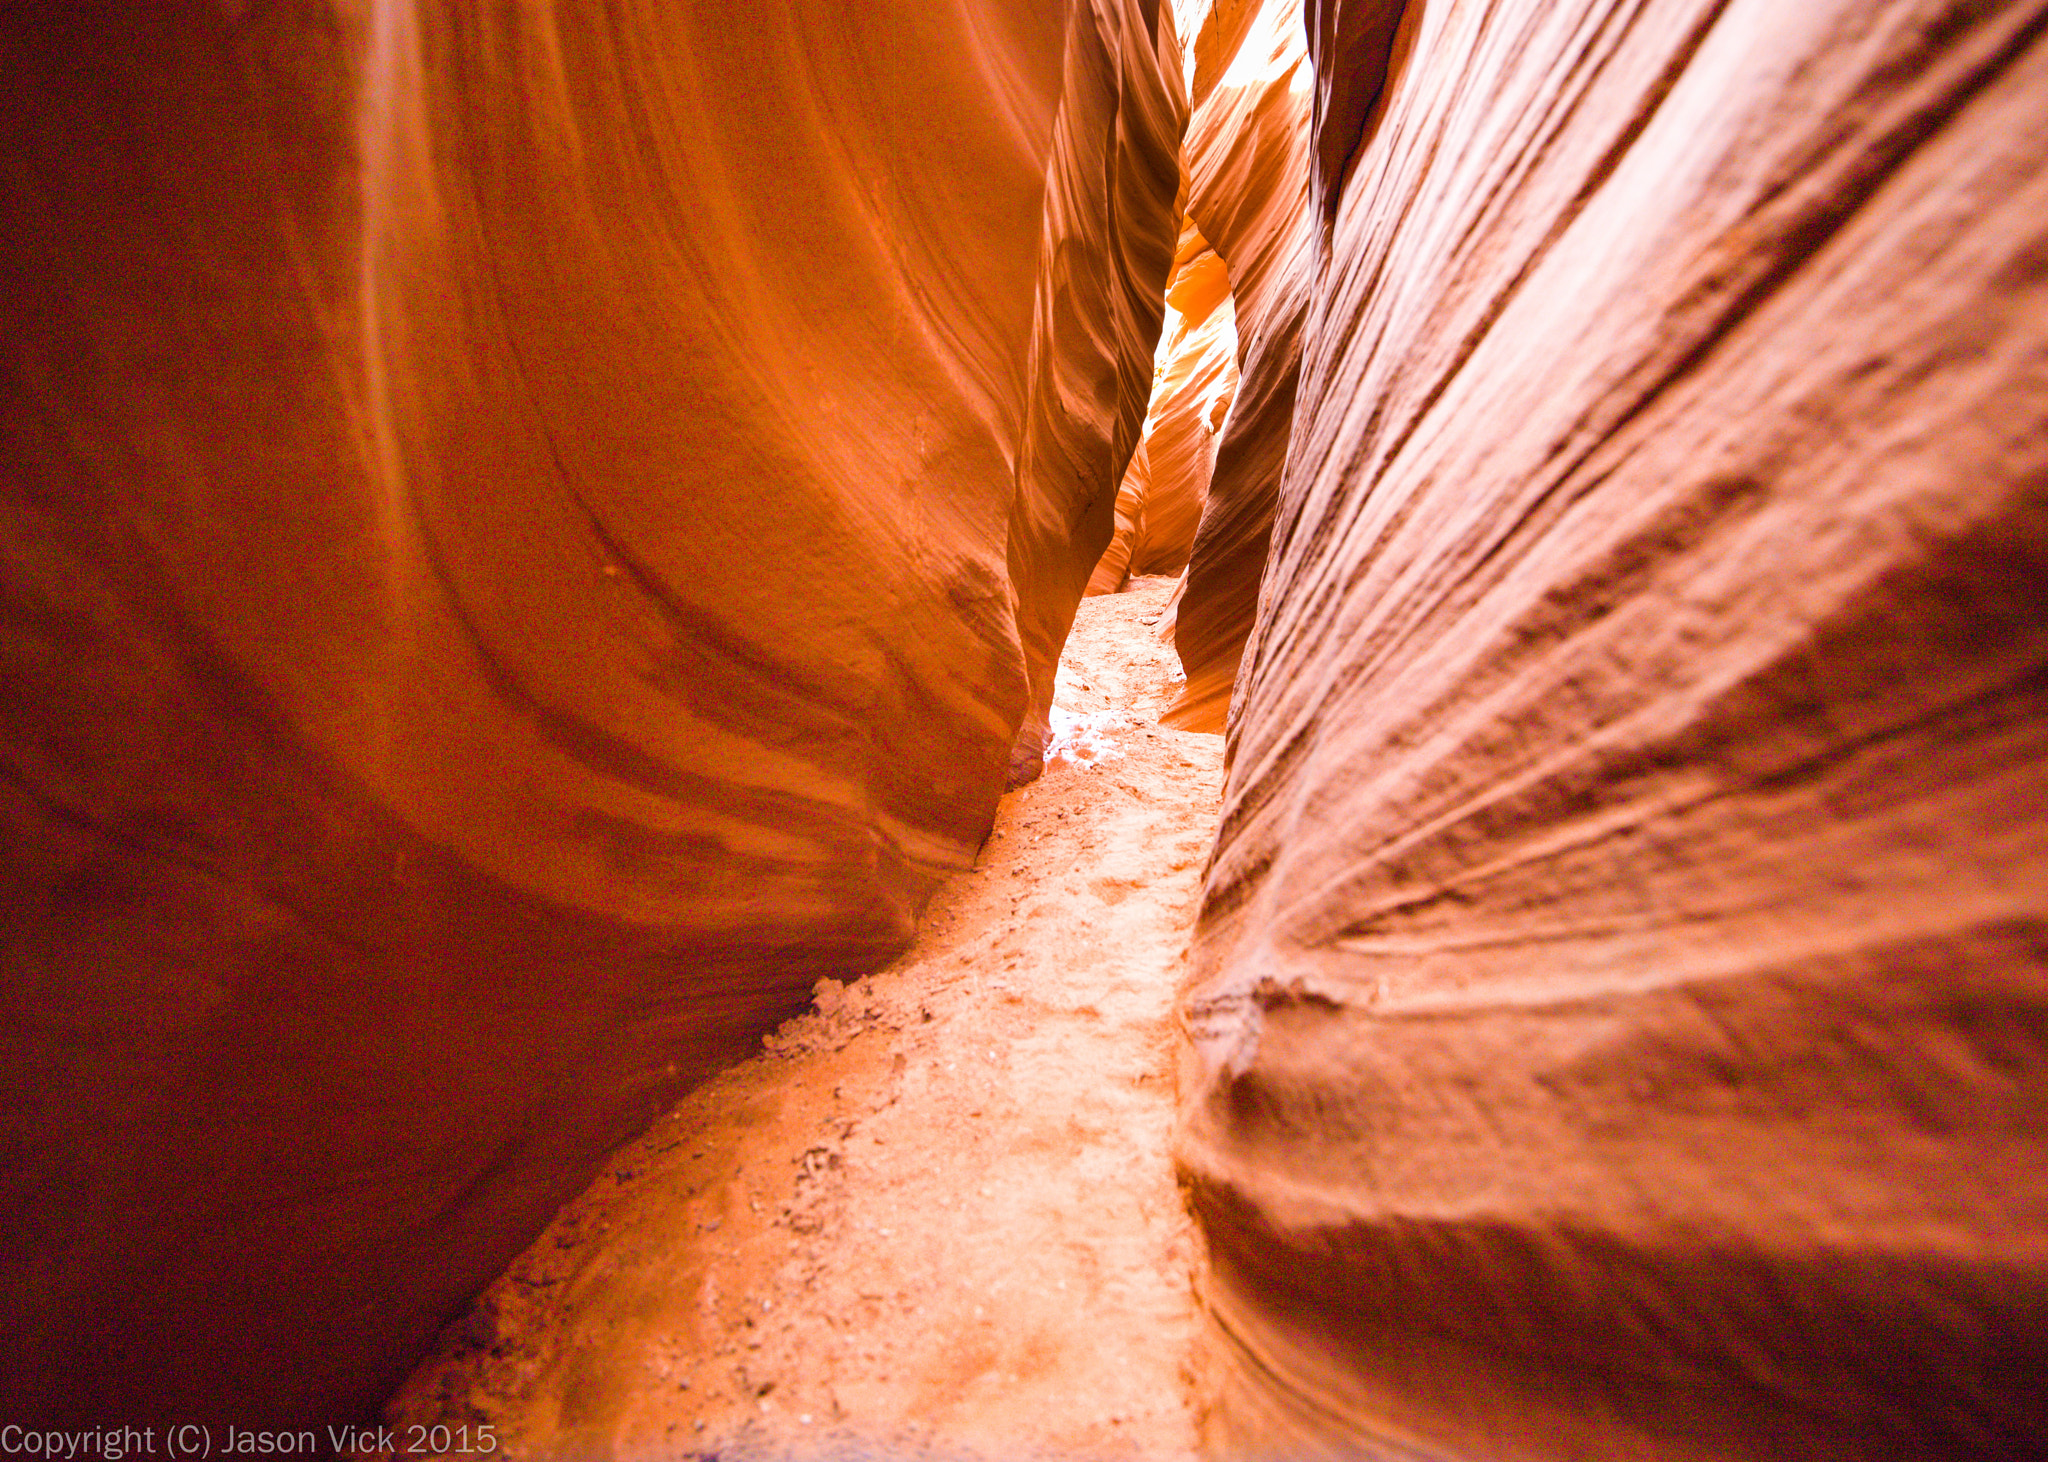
(1112,203)
(1112,572)
(1159,502)
(528,534)
(1248,160)
(1617,1008)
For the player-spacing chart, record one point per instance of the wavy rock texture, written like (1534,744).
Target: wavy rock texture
(528,534)
(1160,499)
(1112,200)
(1619,1006)
(1248,160)
(1112,572)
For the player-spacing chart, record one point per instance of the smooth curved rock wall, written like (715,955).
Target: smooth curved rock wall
(1112,209)
(1617,1012)
(528,534)
(1159,502)
(1248,160)
(1112,571)
(1189,409)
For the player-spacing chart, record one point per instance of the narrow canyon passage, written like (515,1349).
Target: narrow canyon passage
(533,537)
(936,1214)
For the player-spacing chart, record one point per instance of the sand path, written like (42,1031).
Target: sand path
(936,1215)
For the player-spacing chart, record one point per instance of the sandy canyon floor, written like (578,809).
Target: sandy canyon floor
(935,1216)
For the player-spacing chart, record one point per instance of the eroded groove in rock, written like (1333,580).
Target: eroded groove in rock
(1617,1020)
(1160,499)
(1351,43)
(1248,159)
(1111,206)
(529,532)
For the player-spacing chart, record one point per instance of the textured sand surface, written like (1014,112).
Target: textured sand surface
(937,1215)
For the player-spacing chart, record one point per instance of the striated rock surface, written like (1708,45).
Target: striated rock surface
(1618,1010)
(1160,500)
(1248,160)
(1112,199)
(1112,571)
(528,534)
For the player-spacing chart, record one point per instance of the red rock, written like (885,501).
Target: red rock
(534,536)
(1248,157)
(1160,500)
(529,532)
(1111,201)
(1112,571)
(1617,1006)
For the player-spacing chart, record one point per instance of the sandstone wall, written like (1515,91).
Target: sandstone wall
(1618,1006)
(1248,164)
(1159,502)
(1112,206)
(528,534)
(1112,572)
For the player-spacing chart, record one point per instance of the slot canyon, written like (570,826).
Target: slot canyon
(1249,729)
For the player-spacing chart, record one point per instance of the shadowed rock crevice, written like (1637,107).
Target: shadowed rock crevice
(1194,379)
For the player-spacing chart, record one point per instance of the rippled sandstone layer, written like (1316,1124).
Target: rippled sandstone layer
(1247,159)
(1160,500)
(1617,1008)
(529,533)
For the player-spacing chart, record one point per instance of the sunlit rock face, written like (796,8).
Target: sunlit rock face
(529,532)
(1194,378)
(1248,162)
(1111,208)
(1618,1006)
